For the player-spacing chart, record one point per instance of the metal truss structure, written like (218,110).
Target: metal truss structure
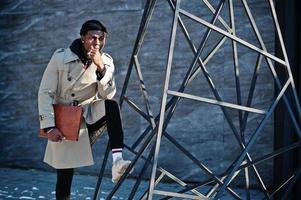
(150,140)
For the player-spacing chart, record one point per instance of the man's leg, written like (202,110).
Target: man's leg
(114,126)
(63,183)
(115,132)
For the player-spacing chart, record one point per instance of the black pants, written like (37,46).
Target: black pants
(115,132)
(113,121)
(63,183)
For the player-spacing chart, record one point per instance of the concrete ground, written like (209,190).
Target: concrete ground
(35,185)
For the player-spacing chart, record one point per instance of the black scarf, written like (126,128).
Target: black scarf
(77,48)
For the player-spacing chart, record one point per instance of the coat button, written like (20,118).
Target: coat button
(69,78)
(72,94)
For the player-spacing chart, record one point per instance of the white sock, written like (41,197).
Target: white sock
(116,154)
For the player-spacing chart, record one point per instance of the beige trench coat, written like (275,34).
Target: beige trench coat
(64,81)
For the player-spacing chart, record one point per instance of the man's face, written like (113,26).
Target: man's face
(93,40)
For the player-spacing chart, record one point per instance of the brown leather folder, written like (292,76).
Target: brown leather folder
(67,120)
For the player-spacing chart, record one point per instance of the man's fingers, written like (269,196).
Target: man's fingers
(55,135)
(53,138)
(93,53)
(61,135)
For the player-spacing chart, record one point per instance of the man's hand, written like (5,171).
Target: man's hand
(55,135)
(96,59)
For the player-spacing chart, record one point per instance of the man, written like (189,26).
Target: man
(82,75)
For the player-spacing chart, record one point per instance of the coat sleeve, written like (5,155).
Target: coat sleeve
(47,92)
(106,86)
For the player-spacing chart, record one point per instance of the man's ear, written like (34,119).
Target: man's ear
(82,38)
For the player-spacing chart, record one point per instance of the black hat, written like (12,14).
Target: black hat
(92,25)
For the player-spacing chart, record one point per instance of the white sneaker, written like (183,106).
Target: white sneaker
(119,168)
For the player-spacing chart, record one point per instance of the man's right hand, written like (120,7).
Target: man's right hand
(55,135)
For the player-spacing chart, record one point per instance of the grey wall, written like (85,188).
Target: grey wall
(32,30)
